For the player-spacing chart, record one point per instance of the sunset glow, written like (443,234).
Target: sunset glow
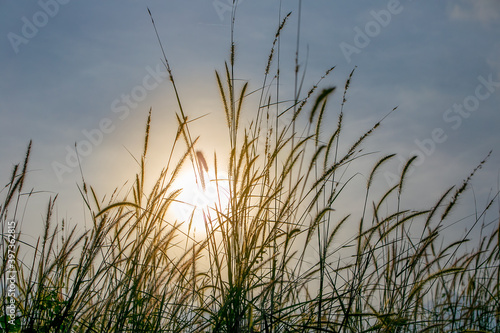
(195,201)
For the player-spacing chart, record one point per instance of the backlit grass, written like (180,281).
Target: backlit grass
(273,256)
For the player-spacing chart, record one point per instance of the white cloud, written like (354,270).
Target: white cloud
(476,10)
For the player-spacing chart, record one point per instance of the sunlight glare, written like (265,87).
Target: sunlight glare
(195,201)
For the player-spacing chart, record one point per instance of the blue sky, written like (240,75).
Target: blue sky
(67,67)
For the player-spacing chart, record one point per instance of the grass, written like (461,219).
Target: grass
(276,258)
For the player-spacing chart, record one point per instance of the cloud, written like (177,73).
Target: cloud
(493,60)
(472,10)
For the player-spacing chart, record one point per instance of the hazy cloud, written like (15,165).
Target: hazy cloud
(493,59)
(474,10)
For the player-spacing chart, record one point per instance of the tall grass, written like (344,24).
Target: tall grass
(276,258)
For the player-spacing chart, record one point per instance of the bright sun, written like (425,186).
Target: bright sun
(195,201)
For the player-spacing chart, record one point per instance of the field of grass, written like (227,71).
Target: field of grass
(274,258)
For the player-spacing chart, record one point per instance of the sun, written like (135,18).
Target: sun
(197,203)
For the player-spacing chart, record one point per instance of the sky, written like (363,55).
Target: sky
(87,72)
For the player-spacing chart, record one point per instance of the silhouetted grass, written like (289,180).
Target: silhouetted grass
(276,259)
